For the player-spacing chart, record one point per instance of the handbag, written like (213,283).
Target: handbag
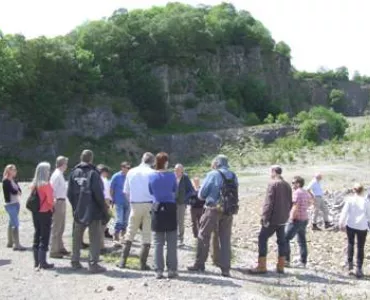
(33,201)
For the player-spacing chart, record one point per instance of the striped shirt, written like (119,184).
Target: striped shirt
(301,199)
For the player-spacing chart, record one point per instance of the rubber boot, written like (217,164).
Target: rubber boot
(36,257)
(359,274)
(261,267)
(17,245)
(43,262)
(125,254)
(144,257)
(116,240)
(280,265)
(10,237)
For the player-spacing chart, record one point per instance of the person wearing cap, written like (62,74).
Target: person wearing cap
(59,186)
(314,187)
(213,218)
(354,219)
(120,202)
(275,214)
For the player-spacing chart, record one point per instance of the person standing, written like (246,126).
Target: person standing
(59,185)
(162,185)
(183,193)
(275,215)
(120,202)
(42,219)
(196,207)
(12,193)
(354,219)
(85,193)
(314,187)
(298,220)
(215,217)
(136,189)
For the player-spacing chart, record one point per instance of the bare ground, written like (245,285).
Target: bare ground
(324,279)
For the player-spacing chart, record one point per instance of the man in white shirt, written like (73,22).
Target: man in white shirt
(59,185)
(136,189)
(316,191)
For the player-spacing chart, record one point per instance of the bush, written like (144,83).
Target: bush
(232,107)
(337,122)
(308,130)
(283,119)
(301,117)
(270,119)
(251,119)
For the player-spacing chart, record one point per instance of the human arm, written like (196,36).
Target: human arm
(205,189)
(126,188)
(97,186)
(344,216)
(112,186)
(268,205)
(188,188)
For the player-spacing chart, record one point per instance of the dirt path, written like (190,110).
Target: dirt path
(323,279)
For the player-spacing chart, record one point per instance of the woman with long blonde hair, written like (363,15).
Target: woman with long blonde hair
(42,219)
(12,192)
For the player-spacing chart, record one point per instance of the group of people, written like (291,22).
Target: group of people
(153,199)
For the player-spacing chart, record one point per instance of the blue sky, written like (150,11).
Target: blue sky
(328,33)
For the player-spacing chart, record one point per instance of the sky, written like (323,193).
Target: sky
(321,33)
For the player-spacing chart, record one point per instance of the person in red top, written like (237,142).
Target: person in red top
(42,220)
(298,220)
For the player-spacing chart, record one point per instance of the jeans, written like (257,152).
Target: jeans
(13,212)
(42,224)
(361,239)
(170,238)
(122,216)
(297,228)
(266,233)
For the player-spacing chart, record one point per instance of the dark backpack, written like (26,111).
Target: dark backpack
(33,202)
(229,198)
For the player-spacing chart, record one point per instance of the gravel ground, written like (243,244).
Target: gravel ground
(324,279)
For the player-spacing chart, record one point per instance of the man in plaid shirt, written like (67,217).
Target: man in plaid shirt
(298,220)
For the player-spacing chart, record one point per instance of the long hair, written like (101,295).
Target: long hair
(42,174)
(7,170)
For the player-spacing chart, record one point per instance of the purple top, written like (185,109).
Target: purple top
(163,185)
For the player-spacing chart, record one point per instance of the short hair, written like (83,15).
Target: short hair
(87,156)
(277,169)
(103,168)
(125,164)
(179,166)
(160,160)
(148,158)
(220,161)
(358,188)
(60,161)
(299,180)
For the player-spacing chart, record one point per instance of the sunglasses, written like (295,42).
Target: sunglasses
(294,182)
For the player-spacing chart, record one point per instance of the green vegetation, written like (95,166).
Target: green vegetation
(325,76)
(337,99)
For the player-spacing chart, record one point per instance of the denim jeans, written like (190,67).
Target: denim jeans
(266,233)
(13,212)
(297,228)
(122,216)
(361,240)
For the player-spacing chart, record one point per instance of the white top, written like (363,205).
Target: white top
(136,186)
(356,213)
(315,187)
(58,184)
(106,185)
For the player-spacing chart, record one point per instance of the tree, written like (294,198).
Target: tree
(337,99)
(283,49)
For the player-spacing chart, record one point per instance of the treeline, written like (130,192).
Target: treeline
(116,55)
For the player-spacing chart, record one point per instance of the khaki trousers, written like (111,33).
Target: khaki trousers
(320,205)
(181,209)
(139,214)
(58,226)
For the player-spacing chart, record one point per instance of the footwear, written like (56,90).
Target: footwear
(116,240)
(144,257)
(350,269)
(17,246)
(107,234)
(65,252)
(287,264)
(261,267)
(328,225)
(10,237)
(301,265)
(359,273)
(225,273)
(56,255)
(159,275)
(36,257)
(125,254)
(315,227)
(103,251)
(76,265)
(96,268)
(196,268)
(280,265)
(172,274)
(181,243)
(43,262)
(84,245)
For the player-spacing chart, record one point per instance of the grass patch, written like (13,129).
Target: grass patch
(133,262)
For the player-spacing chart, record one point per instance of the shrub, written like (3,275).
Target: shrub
(270,119)
(251,119)
(308,130)
(283,119)
(301,117)
(232,107)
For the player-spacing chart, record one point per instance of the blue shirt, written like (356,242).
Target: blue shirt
(116,185)
(211,186)
(163,185)
(315,187)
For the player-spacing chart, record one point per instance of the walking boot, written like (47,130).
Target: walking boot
(280,265)
(328,225)
(10,237)
(315,227)
(260,268)
(36,257)
(43,262)
(107,234)
(96,268)
(125,254)
(197,268)
(359,273)
(17,246)
(116,240)
(350,269)
(144,257)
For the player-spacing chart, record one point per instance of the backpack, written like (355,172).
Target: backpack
(33,202)
(229,198)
